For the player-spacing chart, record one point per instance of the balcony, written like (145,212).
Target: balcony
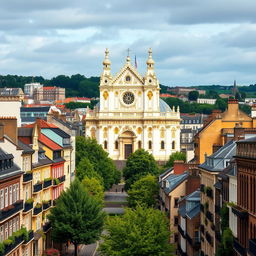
(252,247)
(47,204)
(37,209)
(17,241)
(30,237)
(241,213)
(209,216)
(28,206)
(239,248)
(47,183)
(59,180)
(27,177)
(181,231)
(46,227)
(37,187)
(11,210)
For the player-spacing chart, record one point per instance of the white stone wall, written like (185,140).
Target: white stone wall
(233,199)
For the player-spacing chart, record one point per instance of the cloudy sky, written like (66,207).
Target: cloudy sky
(193,41)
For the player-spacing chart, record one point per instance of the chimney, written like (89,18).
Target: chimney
(179,167)
(232,106)
(1,131)
(253,111)
(238,132)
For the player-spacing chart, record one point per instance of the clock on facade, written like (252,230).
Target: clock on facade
(128,98)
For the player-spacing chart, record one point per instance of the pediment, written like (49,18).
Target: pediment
(128,71)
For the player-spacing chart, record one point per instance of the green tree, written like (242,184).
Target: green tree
(142,231)
(139,164)
(221,104)
(94,187)
(193,95)
(175,156)
(85,169)
(98,157)
(77,217)
(144,192)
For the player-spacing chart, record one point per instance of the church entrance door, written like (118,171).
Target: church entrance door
(127,150)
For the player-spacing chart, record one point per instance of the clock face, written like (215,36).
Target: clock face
(128,98)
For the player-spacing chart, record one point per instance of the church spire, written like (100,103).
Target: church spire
(128,59)
(150,61)
(106,74)
(106,62)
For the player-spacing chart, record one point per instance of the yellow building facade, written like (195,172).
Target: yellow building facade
(214,132)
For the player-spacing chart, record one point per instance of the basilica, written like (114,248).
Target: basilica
(130,114)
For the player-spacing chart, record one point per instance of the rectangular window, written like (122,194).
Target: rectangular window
(6,197)
(10,196)
(10,227)
(17,191)
(1,199)
(6,231)
(176,238)
(14,193)
(176,200)
(176,220)
(2,233)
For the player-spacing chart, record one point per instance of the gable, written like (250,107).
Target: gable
(128,71)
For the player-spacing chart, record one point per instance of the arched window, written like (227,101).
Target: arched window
(105,144)
(162,144)
(116,144)
(149,144)
(139,144)
(173,145)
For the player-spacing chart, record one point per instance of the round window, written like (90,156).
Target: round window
(128,79)
(128,98)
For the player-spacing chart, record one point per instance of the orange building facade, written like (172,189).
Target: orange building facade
(216,130)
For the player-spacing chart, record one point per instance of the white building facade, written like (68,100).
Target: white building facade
(131,115)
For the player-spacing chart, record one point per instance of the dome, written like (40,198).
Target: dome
(164,107)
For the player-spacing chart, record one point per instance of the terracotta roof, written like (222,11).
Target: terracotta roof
(48,142)
(42,124)
(167,95)
(49,88)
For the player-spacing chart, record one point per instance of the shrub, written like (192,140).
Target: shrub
(1,248)
(29,201)
(47,179)
(38,205)
(56,181)
(7,242)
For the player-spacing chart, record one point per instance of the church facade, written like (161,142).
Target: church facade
(131,115)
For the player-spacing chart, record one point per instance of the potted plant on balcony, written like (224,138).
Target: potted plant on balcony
(51,252)
(38,205)
(1,248)
(56,181)
(29,201)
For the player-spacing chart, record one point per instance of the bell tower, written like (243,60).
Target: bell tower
(106,76)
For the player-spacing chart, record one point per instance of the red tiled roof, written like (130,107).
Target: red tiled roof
(167,95)
(48,143)
(42,124)
(49,88)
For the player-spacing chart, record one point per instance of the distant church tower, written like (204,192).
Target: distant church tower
(235,89)
(131,115)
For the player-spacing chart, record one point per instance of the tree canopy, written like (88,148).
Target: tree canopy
(139,164)
(144,192)
(98,157)
(77,217)
(193,95)
(94,188)
(142,231)
(175,156)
